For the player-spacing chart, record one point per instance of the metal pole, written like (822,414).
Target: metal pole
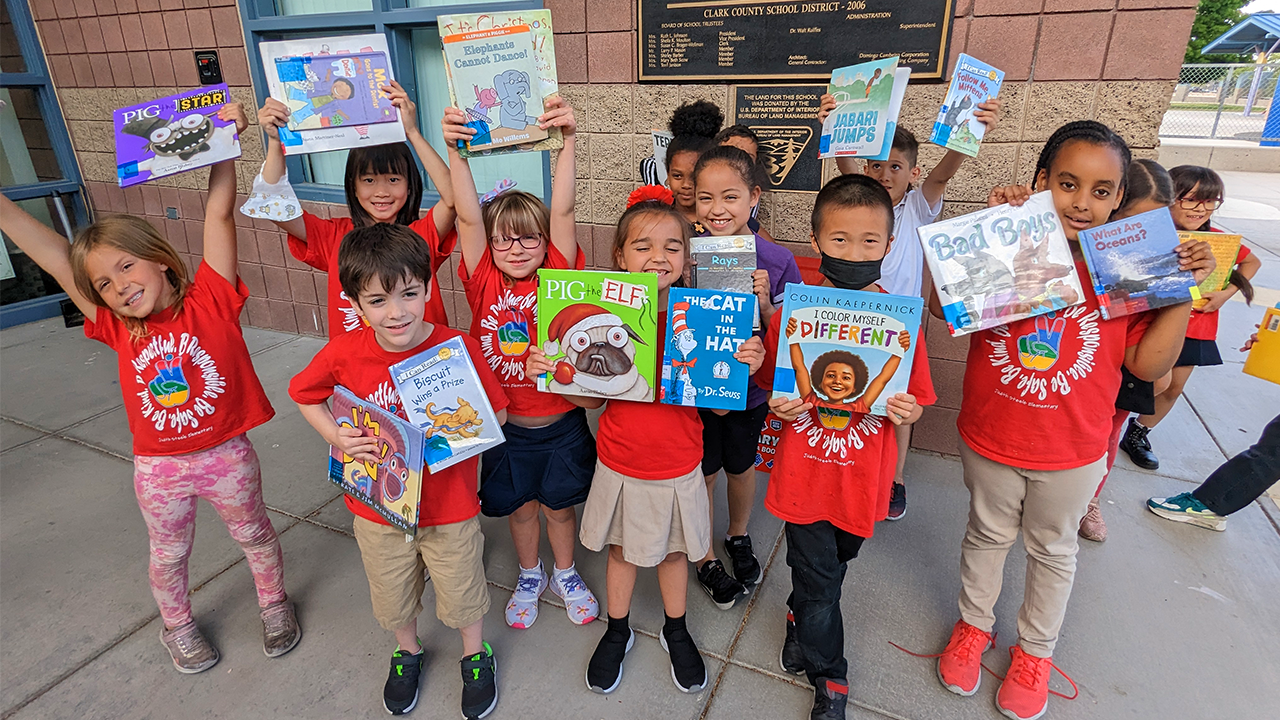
(1222,98)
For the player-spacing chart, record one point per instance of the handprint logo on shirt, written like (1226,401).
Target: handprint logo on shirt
(1039,350)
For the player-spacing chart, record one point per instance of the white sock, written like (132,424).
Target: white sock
(535,570)
(558,572)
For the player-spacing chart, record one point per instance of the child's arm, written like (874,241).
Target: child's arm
(903,409)
(272,116)
(876,386)
(1248,267)
(349,440)
(988,113)
(46,248)
(443,212)
(563,230)
(538,364)
(219,206)
(804,385)
(1160,345)
(760,285)
(470,220)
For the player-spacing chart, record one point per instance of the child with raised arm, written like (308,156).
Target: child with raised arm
(190,394)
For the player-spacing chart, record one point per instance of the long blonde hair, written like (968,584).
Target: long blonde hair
(138,238)
(517,212)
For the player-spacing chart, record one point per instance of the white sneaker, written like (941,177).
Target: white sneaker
(579,602)
(522,609)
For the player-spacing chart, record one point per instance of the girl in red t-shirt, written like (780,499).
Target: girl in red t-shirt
(648,501)
(382,185)
(189,389)
(545,465)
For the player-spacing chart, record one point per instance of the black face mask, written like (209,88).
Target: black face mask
(848,274)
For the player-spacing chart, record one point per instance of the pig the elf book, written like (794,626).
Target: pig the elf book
(1001,264)
(173,134)
(845,351)
(1225,248)
(973,82)
(391,487)
(600,330)
(864,94)
(443,397)
(1133,264)
(704,329)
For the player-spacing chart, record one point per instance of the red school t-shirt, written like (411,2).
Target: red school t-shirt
(1038,392)
(650,441)
(1202,325)
(836,464)
(189,384)
(504,321)
(357,362)
(320,251)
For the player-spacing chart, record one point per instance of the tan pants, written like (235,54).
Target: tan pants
(1047,506)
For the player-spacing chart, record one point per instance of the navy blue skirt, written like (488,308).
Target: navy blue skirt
(1199,353)
(553,465)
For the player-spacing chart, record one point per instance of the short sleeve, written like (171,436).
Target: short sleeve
(1137,327)
(492,388)
(105,327)
(790,274)
(764,376)
(215,295)
(920,206)
(321,243)
(920,383)
(1244,253)
(556,261)
(315,383)
(440,247)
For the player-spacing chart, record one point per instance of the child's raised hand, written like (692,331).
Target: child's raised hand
(234,112)
(791,326)
(537,364)
(1252,339)
(900,407)
(454,126)
(1198,258)
(352,443)
(988,113)
(1015,195)
(828,103)
(408,110)
(904,341)
(272,116)
(788,410)
(751,353)
(558,114)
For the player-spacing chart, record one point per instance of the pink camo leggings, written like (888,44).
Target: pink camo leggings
(229,477)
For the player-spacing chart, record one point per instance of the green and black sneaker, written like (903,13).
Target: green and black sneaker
(479,684)
(400,694)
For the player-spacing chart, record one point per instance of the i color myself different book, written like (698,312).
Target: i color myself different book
(704,329)
(173,134)
(973,82)
(1133,265)
(391,487)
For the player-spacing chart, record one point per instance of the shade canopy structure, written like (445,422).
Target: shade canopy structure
(1259,32)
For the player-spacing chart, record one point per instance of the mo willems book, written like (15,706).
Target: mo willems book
(481,99)
(704,330)
(444,398)
(600,330)
(1225,248)
(308,76)
(972,83)
(846,351)
(173,134)
(901,78)
(1133,264)
(1001,264)
(863,95)
(1264,357)
(391,487)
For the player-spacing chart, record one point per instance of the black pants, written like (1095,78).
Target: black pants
(818,555)
(1240,480)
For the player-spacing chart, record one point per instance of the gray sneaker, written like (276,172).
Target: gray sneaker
(280,630)
(190,651)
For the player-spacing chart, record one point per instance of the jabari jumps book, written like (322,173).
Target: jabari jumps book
(391,487)
(845,351)
(173,134)
(1133,264)
(863,96)
(973,82)
(499,68)
(704,329)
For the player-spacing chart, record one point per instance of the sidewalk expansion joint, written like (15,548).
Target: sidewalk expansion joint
(268,348)
(58,434)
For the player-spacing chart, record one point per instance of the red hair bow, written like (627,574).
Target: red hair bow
(651,192)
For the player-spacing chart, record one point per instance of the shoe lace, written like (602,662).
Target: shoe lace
(276,619)
(1032,670)
(717,578)
(528,583)
(189,641)
(970,641)
(571,583)
(1140,437)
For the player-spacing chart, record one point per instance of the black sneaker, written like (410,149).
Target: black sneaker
(791,659)
(1137,447)
(400,694)
(604,671)
(745,566)
(479,684)
(688,671)
(829,699)
(897,502)
(722,588)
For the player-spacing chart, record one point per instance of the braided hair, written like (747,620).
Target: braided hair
(1090,131)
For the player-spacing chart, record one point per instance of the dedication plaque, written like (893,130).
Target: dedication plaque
(725,40)
(785,119)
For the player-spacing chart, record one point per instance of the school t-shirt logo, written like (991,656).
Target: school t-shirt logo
(180,380)
(508,322)
(351,320)
(832,431)
(1035,368)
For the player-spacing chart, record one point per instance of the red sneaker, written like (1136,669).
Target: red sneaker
(960,665)
(1024,694)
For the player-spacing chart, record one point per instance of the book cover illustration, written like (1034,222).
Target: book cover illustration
(317,52)
(973,82)
(600,330)
(1001,264)
(1225,248)
(1263,360)
(901,78)
(329,91)
(845,351)
(443,397)
(392,487)
(544,55)
(725,263)
(704,329)
(767,448)
(1133,264)
(661,139)
(497,66)
(173,134)
(863,94)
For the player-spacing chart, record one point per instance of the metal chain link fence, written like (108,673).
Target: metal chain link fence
(1221,101)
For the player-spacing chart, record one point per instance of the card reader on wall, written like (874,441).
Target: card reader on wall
(208,67)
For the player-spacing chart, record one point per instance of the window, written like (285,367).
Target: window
(412,36)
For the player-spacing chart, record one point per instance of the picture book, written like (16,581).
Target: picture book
(498,67)
(443,397)
(863,94)
(661,139)
(600,330)
(331,91)
(901,77)
(846,351)
(1133,264)
(1263,360)
(317,53)
(770,434)
(704,330)
(544,56)
(973,82)
(725,263)
(392,487)
(173,134)
(1001,264)
(1225,248)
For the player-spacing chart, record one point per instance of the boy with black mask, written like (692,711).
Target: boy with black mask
(831,490)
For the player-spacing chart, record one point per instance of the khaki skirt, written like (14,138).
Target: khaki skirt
(648,519)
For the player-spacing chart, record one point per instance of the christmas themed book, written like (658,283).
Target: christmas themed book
(863,93)
(1263,360)
(443,397)
(1133,265)
(901,77)
(304,74)
(845,351)
(1001,264)
(1225,248)
(600,330)
(391,487)
(973,82)
(173,134)
(704,329)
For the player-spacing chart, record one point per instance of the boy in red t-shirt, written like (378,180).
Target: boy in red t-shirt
(386,270)
(833,468)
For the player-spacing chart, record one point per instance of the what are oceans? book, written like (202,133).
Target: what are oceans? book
(499,68)
(972,83)
(392,486)
(1225,248)
(864,94)
(173,134)
(1133,264)
(704,329)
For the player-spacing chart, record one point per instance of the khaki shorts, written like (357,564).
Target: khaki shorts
(453,553)
(648,519)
